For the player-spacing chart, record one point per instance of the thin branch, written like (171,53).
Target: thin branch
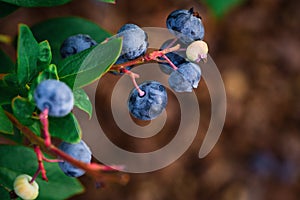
(93,169)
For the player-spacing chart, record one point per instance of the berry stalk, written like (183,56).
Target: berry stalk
(151,56)
(93,169)
(45,124)
(41,168)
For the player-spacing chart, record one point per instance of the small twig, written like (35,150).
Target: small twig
(170,62)
(52,160)
(45,124)
(94,169)
(41,168)
(153,55)
(133,76)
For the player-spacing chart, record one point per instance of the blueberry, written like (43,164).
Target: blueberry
(54,95)
(185,25)
(135,41)
(185,78)
(79,151)
(75,44)
(264,164)
(150,105)
(177,58)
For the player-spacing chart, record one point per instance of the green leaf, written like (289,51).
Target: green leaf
(4,194)
(49,73)
(28,52)
(5,124)
(8,88)
(66,128)
(7,8)
(45,55)
(221,7)
(36,127)
(23,110)
(108,1)
(85,67)
(58,29)
(6,64)
(17,136)
(16,160)
(37,3)
(82,101)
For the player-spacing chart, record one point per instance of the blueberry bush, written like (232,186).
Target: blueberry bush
(39,90)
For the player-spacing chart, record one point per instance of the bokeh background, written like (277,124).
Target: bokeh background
(256,47)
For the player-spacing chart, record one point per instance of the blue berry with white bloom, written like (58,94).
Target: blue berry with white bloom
(185,78)
(75,44)
(79,151)
(151,104)
(54,95)
(135,41)
(186,25)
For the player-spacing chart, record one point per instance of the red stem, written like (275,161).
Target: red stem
(170,62)
(41,167)
(151,56)
(45,124)
(94,169)
(133,76)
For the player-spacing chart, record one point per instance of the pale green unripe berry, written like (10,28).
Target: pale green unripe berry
(197,51)
(24,189)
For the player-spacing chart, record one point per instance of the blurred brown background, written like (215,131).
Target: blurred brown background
(256,47)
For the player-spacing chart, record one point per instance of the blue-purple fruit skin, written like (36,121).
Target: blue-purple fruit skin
(135,41)
(185,78)
(185,25)
(150,105)
(75,44)
(54,95)
(79,151)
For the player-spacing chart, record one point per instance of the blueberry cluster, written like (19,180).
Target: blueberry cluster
(187,26)
(184,74)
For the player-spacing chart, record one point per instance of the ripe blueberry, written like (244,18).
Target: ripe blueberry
(75,44)
(24,189)
(150,105)
(79,151)
(54,95)
(135,41)
(185,78)
(185,25)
